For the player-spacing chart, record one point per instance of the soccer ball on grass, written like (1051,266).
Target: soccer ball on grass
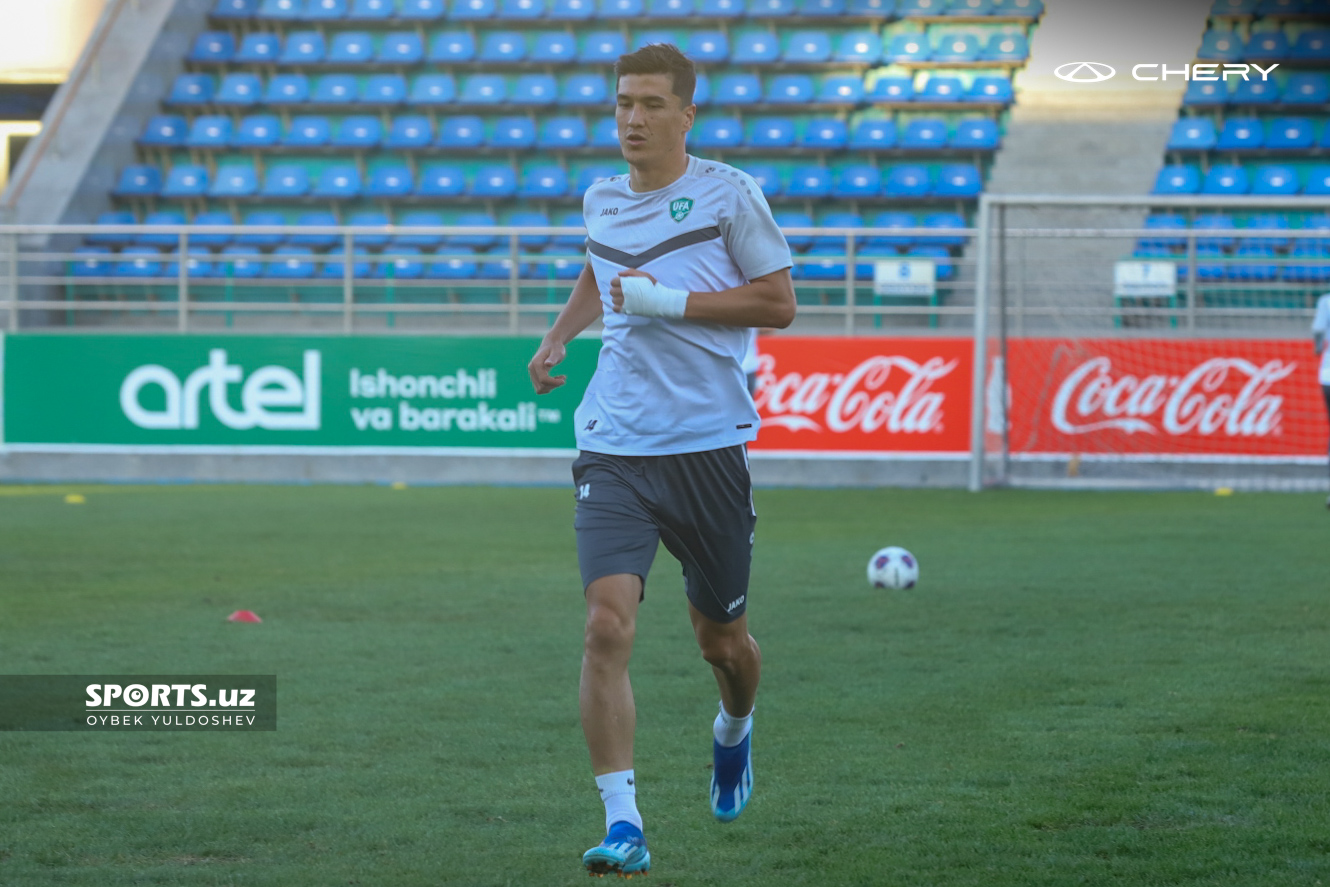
(893,567)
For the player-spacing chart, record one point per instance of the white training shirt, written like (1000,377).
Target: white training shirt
(665,386)
(1321,324)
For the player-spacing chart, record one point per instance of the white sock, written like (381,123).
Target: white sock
(619,792)
(729,730)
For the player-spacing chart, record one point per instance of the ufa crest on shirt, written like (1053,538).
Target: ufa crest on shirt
(680,208)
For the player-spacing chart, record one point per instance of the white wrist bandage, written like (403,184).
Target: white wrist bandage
(647,299)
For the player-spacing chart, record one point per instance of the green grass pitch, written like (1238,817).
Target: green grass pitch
(1085,688)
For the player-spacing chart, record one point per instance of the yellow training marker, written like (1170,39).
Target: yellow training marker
(1224,491)
(399,485)
(75,499)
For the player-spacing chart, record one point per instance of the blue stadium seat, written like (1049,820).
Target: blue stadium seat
(545,181)
(530,219)
(139,261)
(820,8)
(191,89)
(535,89)
(602,47)
(335,89)
(358,131)
(807,47)
(161,217)
(308,131)
(1307,89)
(1281,7)
(584,89)
(1214,222)
(139,180)
(1164,222)
(1234,7)
(892,89)
(841,90)
(720,9)
(943,220)
(234,180)
(303,47)
(502,46)
(1318,181)
(795,220)
(1205,92)
(351,48)
(1312,271)
(771,132)
(1268,222)
(754,48)
(316,219)
(164,131)
(667,9)
(296,263)
(403,266)
(571,10)
(454,268)
(708,47)
(718,132)
(209,219)
(185,180)
(474,241)
(1006,48)
(767,178)
(483,89)
(789,89)
(401,48)
(500,266)
(873,135)
(589,175)
(1255,92)
(1226,180)
(825,134)
(958,180)
(1313,45)
(1178,180)
(494,181)
(235,9)
(286,89)
(91,262)
(383,89)
(107,219)
(560,133)
(702,91)
(412,131)
(877,9)
(940,88)
(239,262)
(1220,45)
(1192,134)
(809,182)
(970,7)
(853,182)
(859,47)
(433,90)
(452,48)
(390,180)
(324,10)
(916,8)
(1263,268)
(441,180)
(514,133)
(554,47)
(925,134)
(1275,180)
(371,10)
(738,89)
(760,9)
(423,10)
(333,265)
(338,181)
(955,48)
(209,131)
(258,48)
(213,46)
(643,38)
(286,180)
(892,219)
(945,268)
(826,260)
(461,132)
(605,133)
(569,241)
(908,48)
(1290,134)
(978,134)
(279,10)
(1267,45)
(238,90)
(907,181)
(521,10)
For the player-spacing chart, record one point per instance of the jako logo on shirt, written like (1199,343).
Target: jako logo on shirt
(680,208)
(267,389)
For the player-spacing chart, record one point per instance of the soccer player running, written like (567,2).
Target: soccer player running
(684,260)
(1320,329)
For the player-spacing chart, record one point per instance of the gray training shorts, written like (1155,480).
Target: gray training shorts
(699,504)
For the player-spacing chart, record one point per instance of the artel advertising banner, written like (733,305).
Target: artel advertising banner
(1165,397)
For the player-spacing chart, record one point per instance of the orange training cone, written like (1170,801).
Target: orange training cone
(244,616)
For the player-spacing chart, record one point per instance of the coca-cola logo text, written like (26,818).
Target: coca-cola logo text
(883,393)
(1201,402)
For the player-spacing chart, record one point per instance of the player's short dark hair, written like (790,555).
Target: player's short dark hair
(661,58)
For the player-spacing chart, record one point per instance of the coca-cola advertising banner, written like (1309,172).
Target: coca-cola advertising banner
(864,395)
(1176,397)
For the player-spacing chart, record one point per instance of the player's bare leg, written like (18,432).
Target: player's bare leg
(736,661)
(609,719)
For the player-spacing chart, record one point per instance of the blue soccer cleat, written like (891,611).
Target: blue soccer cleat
(731,778)
(624,851)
